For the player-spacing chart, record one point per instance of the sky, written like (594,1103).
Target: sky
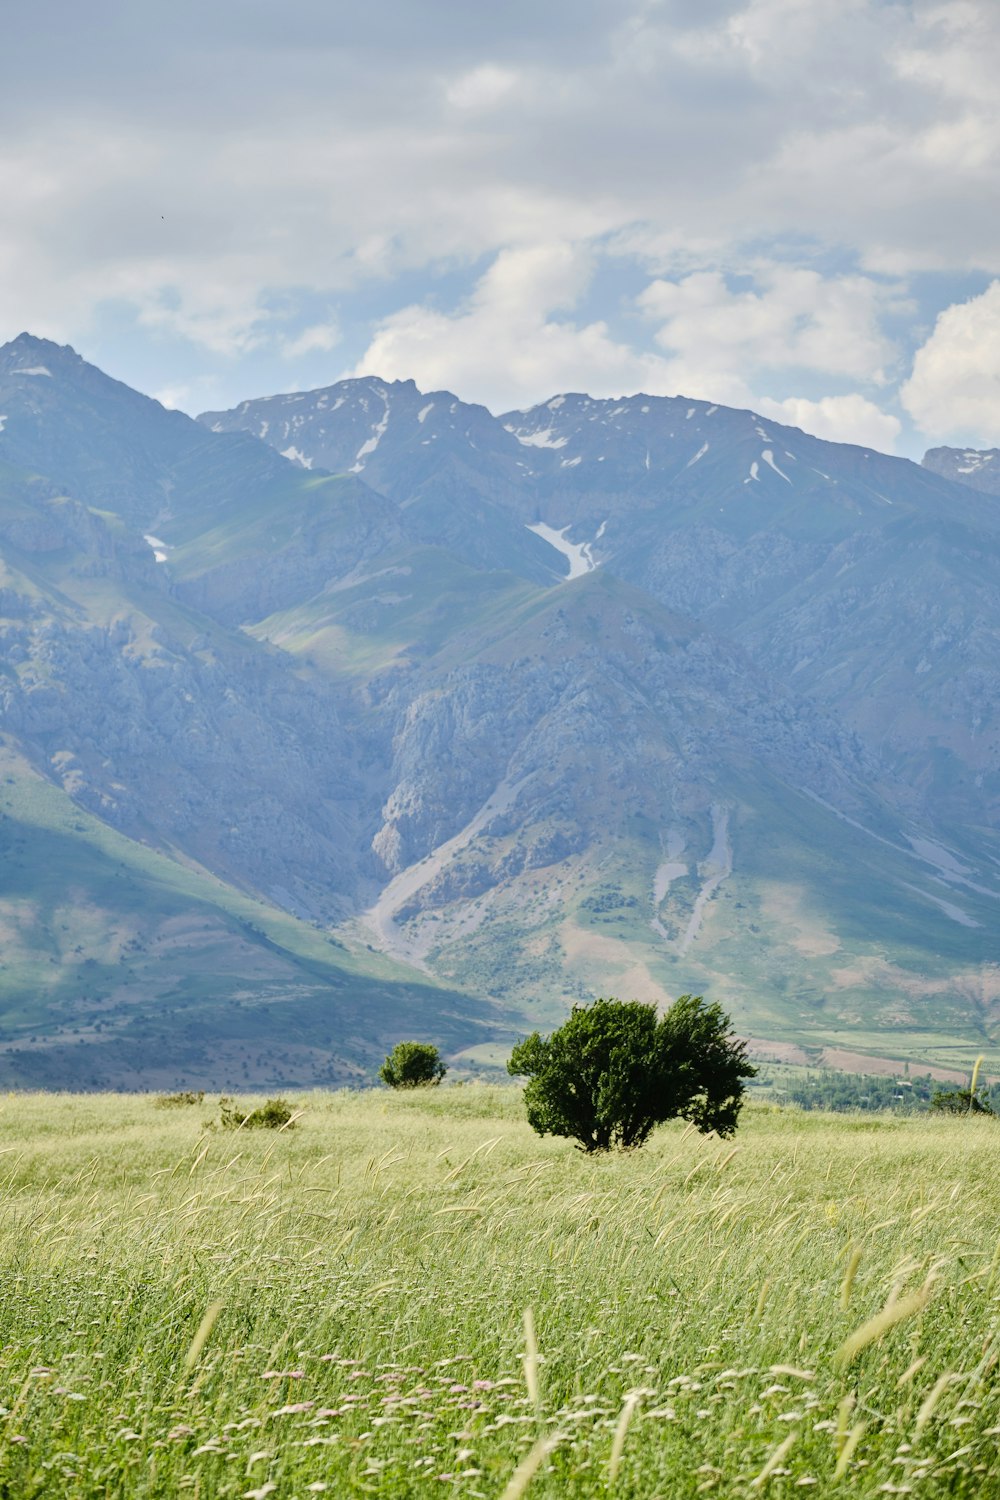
(791,205)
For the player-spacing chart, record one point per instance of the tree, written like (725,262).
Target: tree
(615,1069)
(960,1102)
(411,1065)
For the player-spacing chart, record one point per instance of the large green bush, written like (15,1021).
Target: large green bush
(616,1069)
(412,1065)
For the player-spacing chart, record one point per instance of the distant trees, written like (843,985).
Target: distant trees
(412,1065)
(615,1069)
(960,1102)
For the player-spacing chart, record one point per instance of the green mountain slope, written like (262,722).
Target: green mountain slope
(124,966)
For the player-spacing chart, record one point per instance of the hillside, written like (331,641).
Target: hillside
(639,697)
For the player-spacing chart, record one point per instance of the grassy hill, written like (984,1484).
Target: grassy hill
(123,964)
(413,1294)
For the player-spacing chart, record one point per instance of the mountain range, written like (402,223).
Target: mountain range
(362,712)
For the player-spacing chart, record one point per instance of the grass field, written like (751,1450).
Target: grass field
(414,1295)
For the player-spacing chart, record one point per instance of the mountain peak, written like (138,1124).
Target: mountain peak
(30,344)
(978,468)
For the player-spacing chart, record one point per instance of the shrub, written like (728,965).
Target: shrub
(273,1114)
(412,1065)
(615,1069)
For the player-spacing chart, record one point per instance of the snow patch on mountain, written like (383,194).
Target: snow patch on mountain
(368,448)
(581,559)
(974,461)
(768,457)
(543,439)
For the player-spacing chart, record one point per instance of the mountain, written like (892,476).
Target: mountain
(862,581)
(861,592)
(360,712)
(183,809)
(451,466)
(977,467)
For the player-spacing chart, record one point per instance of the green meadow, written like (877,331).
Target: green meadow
(414,1295)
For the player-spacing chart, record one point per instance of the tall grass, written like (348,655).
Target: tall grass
(415,1295)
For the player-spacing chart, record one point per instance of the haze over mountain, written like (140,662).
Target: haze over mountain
(361,708)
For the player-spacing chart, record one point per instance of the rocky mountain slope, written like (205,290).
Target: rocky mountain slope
(456,718)
(191,744)
(977,467)
(862,593)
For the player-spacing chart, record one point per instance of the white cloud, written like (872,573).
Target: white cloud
(954,389)
(511,344)
(318,339)
(955,49)
(720,342)
(212,193)
(482,88)
(504,348)
(174,397)
(840,419)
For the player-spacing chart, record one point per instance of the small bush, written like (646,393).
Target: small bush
(178,1101)
(273,1114)
(412,1065)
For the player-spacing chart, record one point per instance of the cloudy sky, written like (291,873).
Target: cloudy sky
(786,204)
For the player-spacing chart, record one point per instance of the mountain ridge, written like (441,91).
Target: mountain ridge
(582,698)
